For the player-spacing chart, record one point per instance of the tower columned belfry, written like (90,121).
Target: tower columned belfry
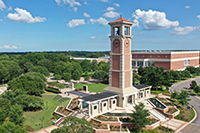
(120,74)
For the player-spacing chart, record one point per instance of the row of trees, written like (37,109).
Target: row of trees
(157,77)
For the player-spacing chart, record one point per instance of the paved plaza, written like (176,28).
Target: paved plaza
(191,128)
(174,124)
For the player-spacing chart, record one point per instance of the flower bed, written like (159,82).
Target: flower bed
(171,110)
(153,120)
(74,104)
(103,118)
(117,128)
(128,119)
(98,125)
(62,110)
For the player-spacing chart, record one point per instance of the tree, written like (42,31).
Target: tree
(76,126)
(175,75)
(184,97)
(86,66)
(94,65)
(140,116)
(58,77)
(136,77)
(86,76)
(16,115)
(39,69)
(175,95)
(197,89)
(100,74)
(76,75)
(193,84)
(4,109)
(10,127)
(31,83)
(185,74)
(10,70)
(67,76)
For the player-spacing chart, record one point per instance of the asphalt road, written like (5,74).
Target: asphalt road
(194,127)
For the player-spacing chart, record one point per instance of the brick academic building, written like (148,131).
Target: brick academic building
(170,60)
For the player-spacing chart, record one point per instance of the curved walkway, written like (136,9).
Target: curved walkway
(195,103)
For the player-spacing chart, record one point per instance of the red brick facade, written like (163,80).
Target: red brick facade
(178,60)
(116,62)
(115,79)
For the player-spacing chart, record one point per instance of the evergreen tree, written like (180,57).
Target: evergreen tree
(140,116)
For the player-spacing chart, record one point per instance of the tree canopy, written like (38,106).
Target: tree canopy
(140,116)
(31,83)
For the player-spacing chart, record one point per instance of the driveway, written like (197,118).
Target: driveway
(195,102)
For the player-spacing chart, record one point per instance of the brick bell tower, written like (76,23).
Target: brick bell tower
(120,74)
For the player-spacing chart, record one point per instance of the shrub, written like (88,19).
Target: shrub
(52,90)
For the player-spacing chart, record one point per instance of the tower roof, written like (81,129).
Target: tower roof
(121,19)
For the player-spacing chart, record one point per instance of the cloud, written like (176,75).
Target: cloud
(2,5)
(75,22)
(111,14)
(72,3)
(187,7)
(153,20)
(183,30)
(10,8)
(198,16)
(93,37)
(1,20)
(110,9)
(117,5)
(23,16)
(85,3)
(104,0)
(9,47)
(75,9)
(86,15)
(101,21)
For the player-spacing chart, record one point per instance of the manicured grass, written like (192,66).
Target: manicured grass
(160,91)
(48,96)
(98,87)
(33,118)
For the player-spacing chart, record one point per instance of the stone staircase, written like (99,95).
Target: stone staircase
(158,115)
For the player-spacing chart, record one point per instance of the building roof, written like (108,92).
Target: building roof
(120,19)
(100,96)
(141,86)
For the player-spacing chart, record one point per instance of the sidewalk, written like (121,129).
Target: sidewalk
(47,129)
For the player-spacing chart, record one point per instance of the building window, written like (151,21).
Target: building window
(126,31)
(95,107)
(139,63)
(104,104)
(116,30)
(114,102)
(188,62)
(133,63)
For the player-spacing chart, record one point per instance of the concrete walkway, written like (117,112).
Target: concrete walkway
(47,130)
(174,124)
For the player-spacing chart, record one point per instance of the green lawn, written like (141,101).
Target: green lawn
(33,118)
(98,87)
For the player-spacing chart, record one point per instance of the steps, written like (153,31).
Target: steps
(158,115)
